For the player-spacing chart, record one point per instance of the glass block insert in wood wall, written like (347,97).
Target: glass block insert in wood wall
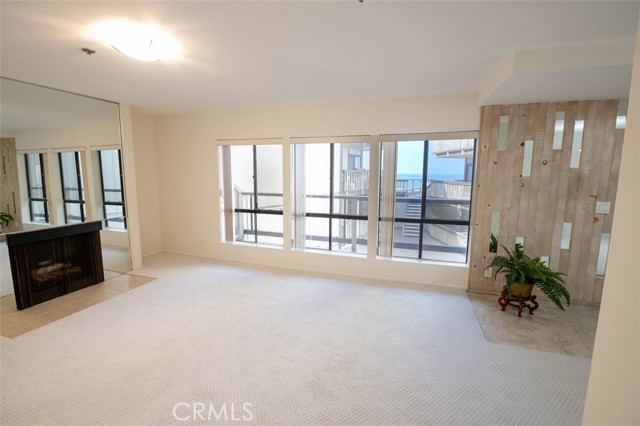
(527,159)
(502,132)
(495,223)
(565,243)
(621,118)
(576,148)
(558,130)
(603,253)
(495,229)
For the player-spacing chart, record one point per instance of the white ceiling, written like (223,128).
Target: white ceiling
(255,54)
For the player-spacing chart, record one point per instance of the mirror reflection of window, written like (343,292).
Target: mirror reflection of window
(112,194)
(36,187)
(72,187)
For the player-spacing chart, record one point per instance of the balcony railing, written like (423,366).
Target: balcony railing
(447,201)
(354,180)
(450,190)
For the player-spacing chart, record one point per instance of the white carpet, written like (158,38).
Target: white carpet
(302,350)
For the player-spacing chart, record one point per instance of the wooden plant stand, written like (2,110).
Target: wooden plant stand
(519,302)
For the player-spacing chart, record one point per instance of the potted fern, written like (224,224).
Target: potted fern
(5,220)
(523,272)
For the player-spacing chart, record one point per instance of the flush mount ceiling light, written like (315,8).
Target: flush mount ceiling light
(144,42)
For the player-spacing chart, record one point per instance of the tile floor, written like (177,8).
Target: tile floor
(569,332)
(13,323)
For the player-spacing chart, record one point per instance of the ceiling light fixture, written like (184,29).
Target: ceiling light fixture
(144,42)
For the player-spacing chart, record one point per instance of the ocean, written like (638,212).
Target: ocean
(446,177)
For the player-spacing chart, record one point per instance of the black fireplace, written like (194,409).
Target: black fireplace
(51,262)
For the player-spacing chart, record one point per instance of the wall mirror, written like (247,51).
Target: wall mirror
(64,153)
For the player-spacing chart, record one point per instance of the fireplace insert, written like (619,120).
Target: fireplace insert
(51,262)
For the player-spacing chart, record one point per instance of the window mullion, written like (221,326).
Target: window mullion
(300,189)
(255,192)
(423,201)
(26,161)
(124,208)
(331,151)
(64,195)
(388,197)
(44,188)
(80,188)
(104,194)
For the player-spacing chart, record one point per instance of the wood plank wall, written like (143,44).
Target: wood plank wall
(9,184)
(536,207)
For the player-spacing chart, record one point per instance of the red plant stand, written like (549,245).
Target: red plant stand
(519,302)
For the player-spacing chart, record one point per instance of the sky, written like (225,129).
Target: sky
(410,161)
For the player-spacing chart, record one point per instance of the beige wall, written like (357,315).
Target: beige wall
(7,133)
(147,183)
(613,395)
(188,175)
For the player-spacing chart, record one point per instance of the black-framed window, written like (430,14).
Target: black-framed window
(331,190)
(433,181)
(255,190)
(72,187)
(112,184)
(36,188)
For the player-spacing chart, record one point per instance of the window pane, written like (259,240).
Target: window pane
(316,172)
(406,240)
(111,175)
(446,243)
(242,176)
(269,229)
(269,178)
(256,176)
(36,190)
(74,212)
(349,236)
(72,187)
(449,173)
(317,233)
(115,216)
(38,211)
(351,178)
(337,185)
(34,169)
(433,186)
(245,227)
(71,179)
(409,179)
